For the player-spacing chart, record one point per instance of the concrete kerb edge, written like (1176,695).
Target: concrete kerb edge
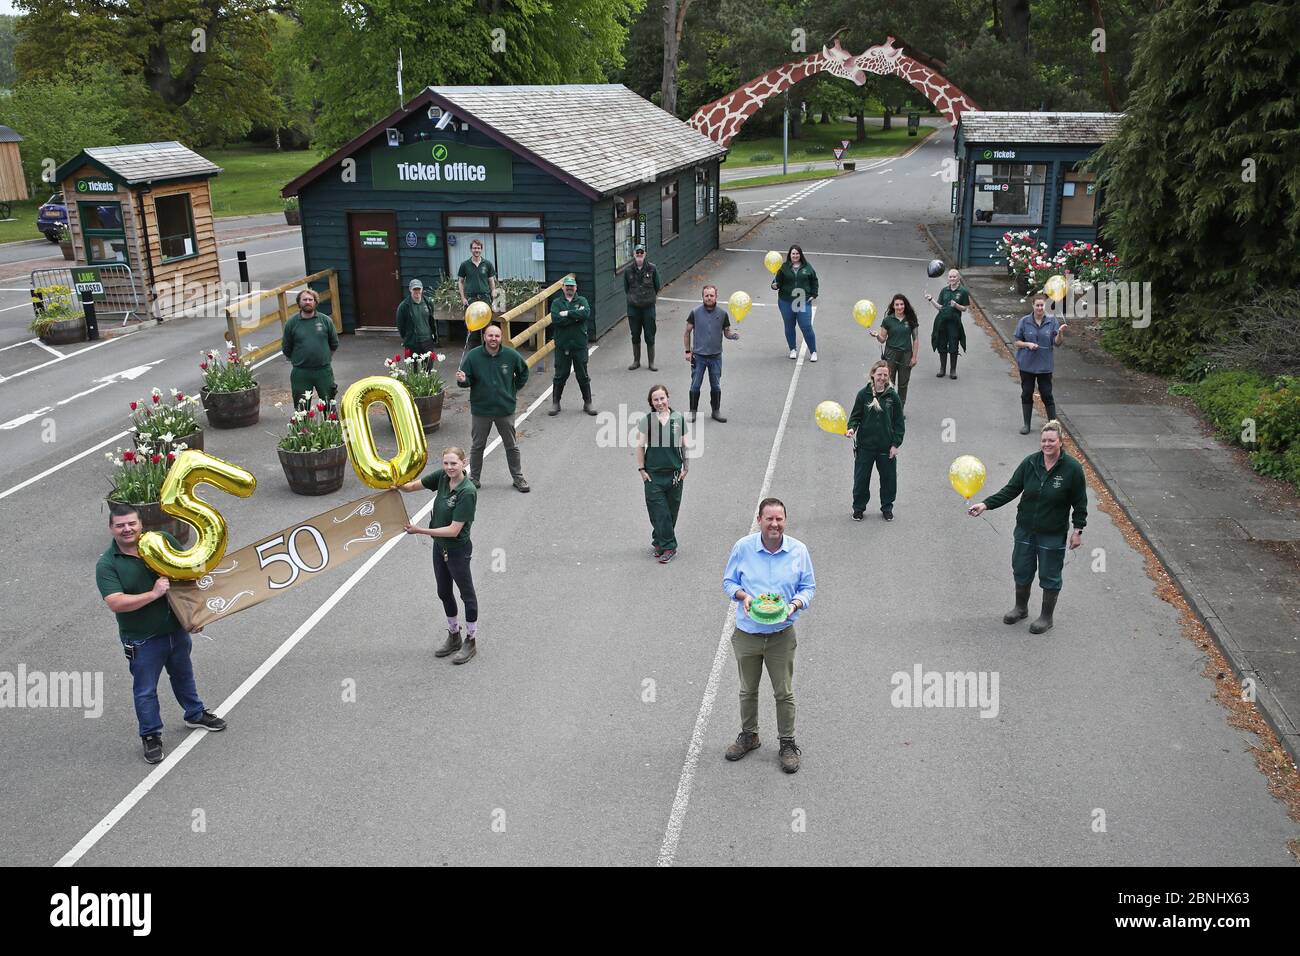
(1214,625)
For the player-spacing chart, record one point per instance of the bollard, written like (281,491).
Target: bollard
(242,256)
(88,306)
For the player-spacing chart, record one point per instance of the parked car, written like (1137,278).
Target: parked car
(51,216)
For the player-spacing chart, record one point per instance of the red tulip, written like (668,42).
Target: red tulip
(156,458)
(134,406)
(157,399)
(180,396)
(409,353)
(334,416)
(203,366)
(320,406)
(128,456)
(171,456)
(311,414)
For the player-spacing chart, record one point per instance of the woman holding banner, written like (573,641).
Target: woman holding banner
(449,524)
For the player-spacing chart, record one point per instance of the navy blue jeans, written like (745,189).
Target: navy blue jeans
(173,652)
(803,317)
(713,363)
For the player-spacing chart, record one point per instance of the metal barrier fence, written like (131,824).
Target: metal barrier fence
(114,288)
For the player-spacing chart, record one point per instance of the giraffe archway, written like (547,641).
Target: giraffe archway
(721,120)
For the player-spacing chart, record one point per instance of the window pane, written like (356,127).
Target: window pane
(107,216)
(624,241)
(515,257)
(668,211)
(175,234)
(458,247)
(519,222)
(106,250)
(469,222)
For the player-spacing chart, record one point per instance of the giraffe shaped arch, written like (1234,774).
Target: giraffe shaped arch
(721,120)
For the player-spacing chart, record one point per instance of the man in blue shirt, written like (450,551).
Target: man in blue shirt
(1035,336)
(769,562)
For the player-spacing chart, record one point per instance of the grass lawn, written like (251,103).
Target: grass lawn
(817,140)
(24,226)
(778,178)
(252,178)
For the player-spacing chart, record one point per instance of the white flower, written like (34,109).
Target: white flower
(175,392)
(168,437)
(441,357)
(279,404)
(307,394)
(156,391)
(180,447)
(108,455)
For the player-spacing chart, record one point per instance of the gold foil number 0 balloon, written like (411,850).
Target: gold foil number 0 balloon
(178,500)
(739,305)
(966,475)
(412,450)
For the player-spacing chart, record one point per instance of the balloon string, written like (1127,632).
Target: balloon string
(990,524)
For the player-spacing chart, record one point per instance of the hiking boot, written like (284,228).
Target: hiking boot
(857,516)
(789,755)
(1021,610)
(450,646)
(466,652)
(521,484)
(745,742)
(887,515)
(207,721)
(153,748)
(1044,622)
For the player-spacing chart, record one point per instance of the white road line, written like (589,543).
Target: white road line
(6,348)
(15,289)
(25,305)
(273,252)
(36,368)
(852,255)
(677,816)
(142,789)
(49,471)
(664,298)
(39,344)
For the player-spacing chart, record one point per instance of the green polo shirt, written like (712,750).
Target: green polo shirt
(308,343)
(899,334)
(663,447)
(118,573)
(452,504)
(1046,497)
(570,330)
(493,380)
(476,277)
(948,312)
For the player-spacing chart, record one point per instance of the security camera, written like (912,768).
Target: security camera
(443,121)
(394,136)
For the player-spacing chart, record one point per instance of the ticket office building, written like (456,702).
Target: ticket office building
(1021,171)
(552,180)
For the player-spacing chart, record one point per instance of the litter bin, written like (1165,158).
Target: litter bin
(913,123)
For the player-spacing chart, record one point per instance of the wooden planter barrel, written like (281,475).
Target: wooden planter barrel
(193,440)
(233,409)
(65,331)
(430,409)
(153,518)
(314,472)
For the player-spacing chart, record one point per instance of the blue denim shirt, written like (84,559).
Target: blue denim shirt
(755,570)
(1027,330)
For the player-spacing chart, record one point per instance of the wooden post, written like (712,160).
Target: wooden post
(283,309)
(232,331)
(336,309)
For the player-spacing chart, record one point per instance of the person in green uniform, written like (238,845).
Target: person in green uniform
(1053,493)
(494,374)
(876,427)
(477,281)
(569,315)
(151,634)
(898,334)
(641,285)
(415,321)
(449,524)
(948,332)
(309,342)
(661,446)
(795,284)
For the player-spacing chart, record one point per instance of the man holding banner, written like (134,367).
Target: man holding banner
(152,636)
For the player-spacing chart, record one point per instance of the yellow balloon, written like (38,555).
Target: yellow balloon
(966,475)
(739,305)
(864,313)
(178,500)
(773,261)
(832,418)
(477,316)
(412,450)
(1056,288)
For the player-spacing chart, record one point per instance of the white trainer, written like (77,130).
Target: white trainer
(814,356)
(794,353)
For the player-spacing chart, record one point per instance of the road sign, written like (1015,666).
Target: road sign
(839,153)
(844,143)
(94,288)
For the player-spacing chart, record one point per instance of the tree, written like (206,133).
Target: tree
(8,39)
(1201,185)
(674,20)
(356,44)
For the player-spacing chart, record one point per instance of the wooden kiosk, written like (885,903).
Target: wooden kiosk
(141,222)
(13,187)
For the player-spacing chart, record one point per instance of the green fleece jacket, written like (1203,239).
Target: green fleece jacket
(877,427)
(493,380)
(414,322)
(1046,497)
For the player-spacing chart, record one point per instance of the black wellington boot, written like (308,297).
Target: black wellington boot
(715,399)
(1044,622)
(650,357)
(556,391)
(1021,610)
(943,365)
(1027,409)
(586,397)
(636,355)
(695,406)
(953,373)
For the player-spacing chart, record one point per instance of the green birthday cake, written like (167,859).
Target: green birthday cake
(768,609)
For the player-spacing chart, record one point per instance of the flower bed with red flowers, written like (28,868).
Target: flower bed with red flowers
(138,475)
(228,374)
(158,422)
(417,373)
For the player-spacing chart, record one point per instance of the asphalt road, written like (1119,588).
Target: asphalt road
(569,739)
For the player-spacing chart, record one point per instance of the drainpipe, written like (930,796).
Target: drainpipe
(144,236)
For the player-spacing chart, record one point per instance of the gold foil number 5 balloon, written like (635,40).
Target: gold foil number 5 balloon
(178,499)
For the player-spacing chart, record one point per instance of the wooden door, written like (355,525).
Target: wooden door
(376,275)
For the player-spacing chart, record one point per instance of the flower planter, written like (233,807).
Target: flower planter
(314,472)
(430,409)
(193,440)
(293,217)
(153,518)
(232,409)
(1023,284)
(66,249)
(65,331)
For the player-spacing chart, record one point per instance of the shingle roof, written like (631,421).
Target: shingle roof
(597,138)
(606,136)
(992,127)
(9,136)
(145,162)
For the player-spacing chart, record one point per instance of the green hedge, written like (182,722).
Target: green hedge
(1234,400)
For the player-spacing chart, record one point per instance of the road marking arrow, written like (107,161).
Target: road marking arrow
(130,374)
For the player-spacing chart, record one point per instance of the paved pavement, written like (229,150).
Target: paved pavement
(1230,538)
(591,726)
